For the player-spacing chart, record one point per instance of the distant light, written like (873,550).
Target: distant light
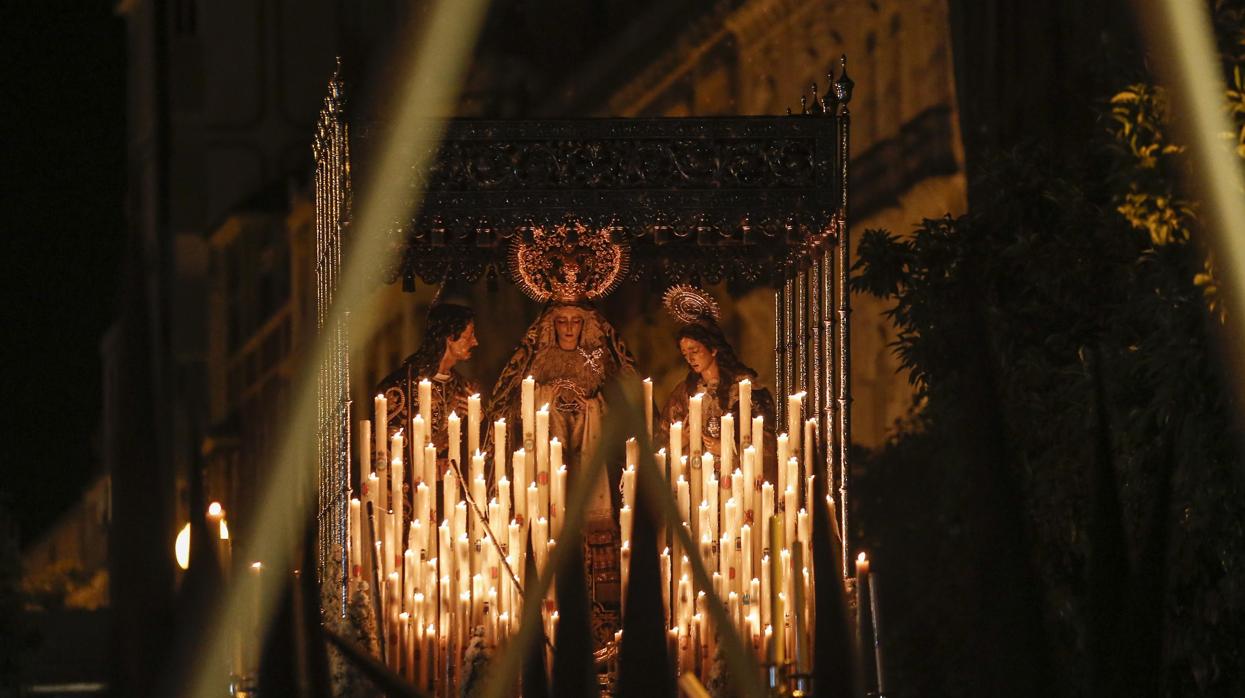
(181,547)
(215,509)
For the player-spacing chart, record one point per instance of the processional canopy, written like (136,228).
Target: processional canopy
(739,199)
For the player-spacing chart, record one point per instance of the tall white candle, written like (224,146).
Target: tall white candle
(746,504)
(381,426)
(767,508)
(365,458)
(676,443)
(711,493)
(473,423)
(424,495)
(519,464)
(453,428)
(557,507)
(527,410)
(648,406)
(726,459)
(788,519)
(430,477)
(694,410)
(784,452)
(628,485)
(398,501)
(503,499)
(758,440)
(745,552)
(795,422)
(745,413)
(419,433)
(356,536)
(533,504)
(425,403)
(499,448)
(624,524)
(542,446)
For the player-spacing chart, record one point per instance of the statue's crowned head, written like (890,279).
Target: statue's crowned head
(568,264)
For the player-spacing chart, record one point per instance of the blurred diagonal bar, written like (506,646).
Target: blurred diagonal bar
(1180,36)
(438,61)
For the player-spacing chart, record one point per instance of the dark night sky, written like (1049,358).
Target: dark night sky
(62,194)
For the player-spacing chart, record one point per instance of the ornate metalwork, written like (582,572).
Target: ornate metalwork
(753,190)
(568,263)
(332,184)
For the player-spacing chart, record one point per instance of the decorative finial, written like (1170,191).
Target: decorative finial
(843,86)
(817,108)
(803,104)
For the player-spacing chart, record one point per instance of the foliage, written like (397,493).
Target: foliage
(1068,259)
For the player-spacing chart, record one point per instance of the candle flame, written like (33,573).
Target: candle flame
(215,509)
(181,547)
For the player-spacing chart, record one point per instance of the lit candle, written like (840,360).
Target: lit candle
(420,506)
(527,407)
(802,530)
(399,502)
(784,452)
(503,497)
(767,616)
(694,410)
(810,438)
(684,499)
(473,423)
(519,463)
(557,507)
(624,524)
(533,502)
(499,447)
(777,587)
(745,552)
(628,485)
(430,479)
(676,443)
(450,493)
(365,459)
(795,408)
(726,459)
(648,406)
(419,430)
(758,438)
(712,498)
(767,511)
(425,402)
(381,427)
(792,467)
(726,561)
(746,504)
(453,427)
(788,516)
(541,469)
(356,537)
(745,413)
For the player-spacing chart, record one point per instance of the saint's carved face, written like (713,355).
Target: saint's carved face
(459,348)
(699,357)
(568,325)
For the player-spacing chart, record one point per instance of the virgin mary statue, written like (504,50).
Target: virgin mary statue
(571,350)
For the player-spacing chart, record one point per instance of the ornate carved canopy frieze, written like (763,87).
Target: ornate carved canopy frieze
(739,199)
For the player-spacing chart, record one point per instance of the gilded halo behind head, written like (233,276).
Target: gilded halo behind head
(691,305)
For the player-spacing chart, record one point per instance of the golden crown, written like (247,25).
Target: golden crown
(568,263)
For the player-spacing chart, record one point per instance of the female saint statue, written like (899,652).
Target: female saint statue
(714,370)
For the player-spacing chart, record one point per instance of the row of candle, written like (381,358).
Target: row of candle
(441,581)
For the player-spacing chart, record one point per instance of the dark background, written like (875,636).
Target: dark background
(63,125)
